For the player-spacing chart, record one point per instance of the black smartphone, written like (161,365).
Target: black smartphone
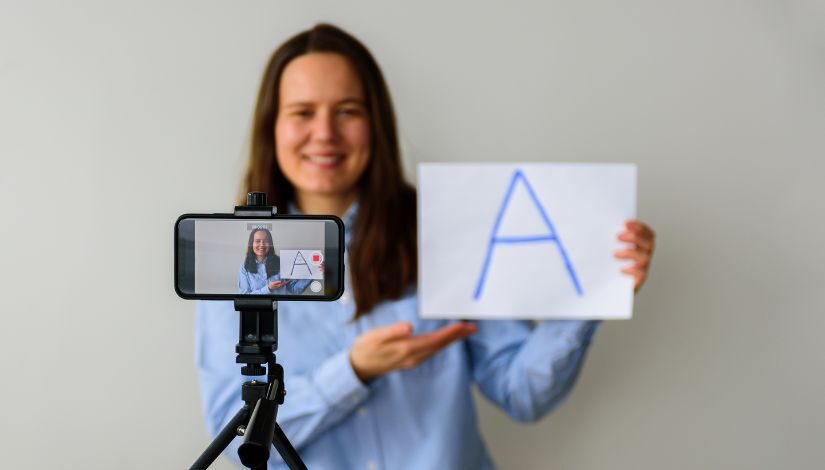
(282,257)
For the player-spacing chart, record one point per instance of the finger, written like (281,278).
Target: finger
(641,258)
(640,241)
(395,331)
(428,343)
(635,225)
(639,276)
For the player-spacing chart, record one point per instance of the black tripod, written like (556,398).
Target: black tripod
(257,343)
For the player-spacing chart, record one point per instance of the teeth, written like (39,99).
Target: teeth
(324,159)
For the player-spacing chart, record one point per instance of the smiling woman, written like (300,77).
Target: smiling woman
(372,385)
(259,272)
(322,130)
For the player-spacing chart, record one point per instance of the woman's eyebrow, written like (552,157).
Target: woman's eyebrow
(304,104)
(351,100)
(298,104)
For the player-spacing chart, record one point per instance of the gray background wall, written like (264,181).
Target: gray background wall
(116,114)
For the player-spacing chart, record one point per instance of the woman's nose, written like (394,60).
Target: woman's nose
(323,128)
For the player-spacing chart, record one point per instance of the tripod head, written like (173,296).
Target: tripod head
(257,335)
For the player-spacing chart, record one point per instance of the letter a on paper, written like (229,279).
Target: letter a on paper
(550,236)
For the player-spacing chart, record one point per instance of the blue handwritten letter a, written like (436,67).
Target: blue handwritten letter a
(551,236)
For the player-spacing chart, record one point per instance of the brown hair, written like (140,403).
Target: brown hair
(382,252)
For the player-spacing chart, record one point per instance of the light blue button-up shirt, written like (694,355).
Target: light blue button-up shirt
(421,418)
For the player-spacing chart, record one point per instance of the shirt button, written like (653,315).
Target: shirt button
(371,465)
(362,411)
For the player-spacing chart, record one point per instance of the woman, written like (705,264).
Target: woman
(259,271)
(370,384)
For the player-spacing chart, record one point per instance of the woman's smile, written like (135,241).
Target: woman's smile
(324,160)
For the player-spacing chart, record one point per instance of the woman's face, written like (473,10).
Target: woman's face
(322,129)
(260,244)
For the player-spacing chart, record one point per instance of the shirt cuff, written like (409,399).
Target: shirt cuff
(338,383)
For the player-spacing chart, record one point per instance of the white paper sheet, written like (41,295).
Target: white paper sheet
(301,264)
(531,240)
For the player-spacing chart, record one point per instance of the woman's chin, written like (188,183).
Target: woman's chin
(327,189)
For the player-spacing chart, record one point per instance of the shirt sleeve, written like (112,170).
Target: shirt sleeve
(528,370)
(243,281)
(315,401)
(298,285)
(320,399)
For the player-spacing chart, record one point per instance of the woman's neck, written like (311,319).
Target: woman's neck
(314,203)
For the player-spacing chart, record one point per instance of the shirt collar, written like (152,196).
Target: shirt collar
(349,215)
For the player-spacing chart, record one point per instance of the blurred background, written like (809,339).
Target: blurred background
(116,117)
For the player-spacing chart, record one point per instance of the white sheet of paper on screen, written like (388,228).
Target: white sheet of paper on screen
(301,264)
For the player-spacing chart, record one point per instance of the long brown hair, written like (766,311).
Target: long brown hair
(382,252)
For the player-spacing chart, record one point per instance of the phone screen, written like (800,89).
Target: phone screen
(284,257)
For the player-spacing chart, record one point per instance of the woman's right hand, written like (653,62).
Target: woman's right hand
(278,284)
(393,347)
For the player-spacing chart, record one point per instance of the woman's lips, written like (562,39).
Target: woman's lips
(324,160)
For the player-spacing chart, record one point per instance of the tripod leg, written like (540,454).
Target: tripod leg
(221,440)
(288,453)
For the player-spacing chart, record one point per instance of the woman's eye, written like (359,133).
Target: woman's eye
(349,111)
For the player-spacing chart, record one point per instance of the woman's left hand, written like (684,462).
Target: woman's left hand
(642,241)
